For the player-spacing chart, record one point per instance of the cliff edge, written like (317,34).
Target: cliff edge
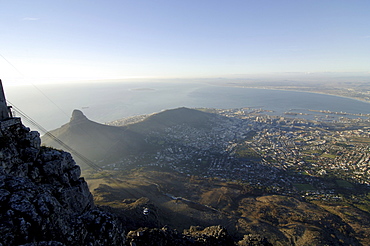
(43,199)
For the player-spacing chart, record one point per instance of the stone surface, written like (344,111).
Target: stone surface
(213,235)
(43,199)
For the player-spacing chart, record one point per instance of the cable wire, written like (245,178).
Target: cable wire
(83,158)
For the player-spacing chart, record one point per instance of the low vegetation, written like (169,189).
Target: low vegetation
(181,201)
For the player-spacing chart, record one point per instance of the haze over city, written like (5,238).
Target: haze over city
(49,41)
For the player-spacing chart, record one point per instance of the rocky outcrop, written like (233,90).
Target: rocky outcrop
(254,240)
(78,118)
(210,236)
(43,199)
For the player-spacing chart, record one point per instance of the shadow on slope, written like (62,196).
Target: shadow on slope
(109,144)
(97,141)
(172,117)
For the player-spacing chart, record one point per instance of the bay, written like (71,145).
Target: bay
(52,105)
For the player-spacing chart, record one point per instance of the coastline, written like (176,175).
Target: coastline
(297,90)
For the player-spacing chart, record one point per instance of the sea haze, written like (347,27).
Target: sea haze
(52,105)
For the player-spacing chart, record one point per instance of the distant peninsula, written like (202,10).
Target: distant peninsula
(356,90)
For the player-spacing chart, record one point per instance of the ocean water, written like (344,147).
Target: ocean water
(51,105)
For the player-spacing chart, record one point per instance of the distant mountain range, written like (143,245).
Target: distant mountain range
(100,142)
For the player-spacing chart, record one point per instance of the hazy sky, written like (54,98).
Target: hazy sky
(114,39)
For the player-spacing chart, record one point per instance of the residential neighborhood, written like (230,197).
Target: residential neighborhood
(280,154)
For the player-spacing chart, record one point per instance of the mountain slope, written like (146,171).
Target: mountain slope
(173,117)
(111,143)
(97,141)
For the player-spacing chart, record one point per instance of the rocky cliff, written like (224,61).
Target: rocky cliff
(43,199)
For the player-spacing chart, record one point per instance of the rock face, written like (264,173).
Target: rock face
(78,117)
(210,236)
(43,199)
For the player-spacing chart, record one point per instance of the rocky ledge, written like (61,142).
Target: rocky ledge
(43,199)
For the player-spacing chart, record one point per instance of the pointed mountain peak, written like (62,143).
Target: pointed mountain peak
(78,117)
